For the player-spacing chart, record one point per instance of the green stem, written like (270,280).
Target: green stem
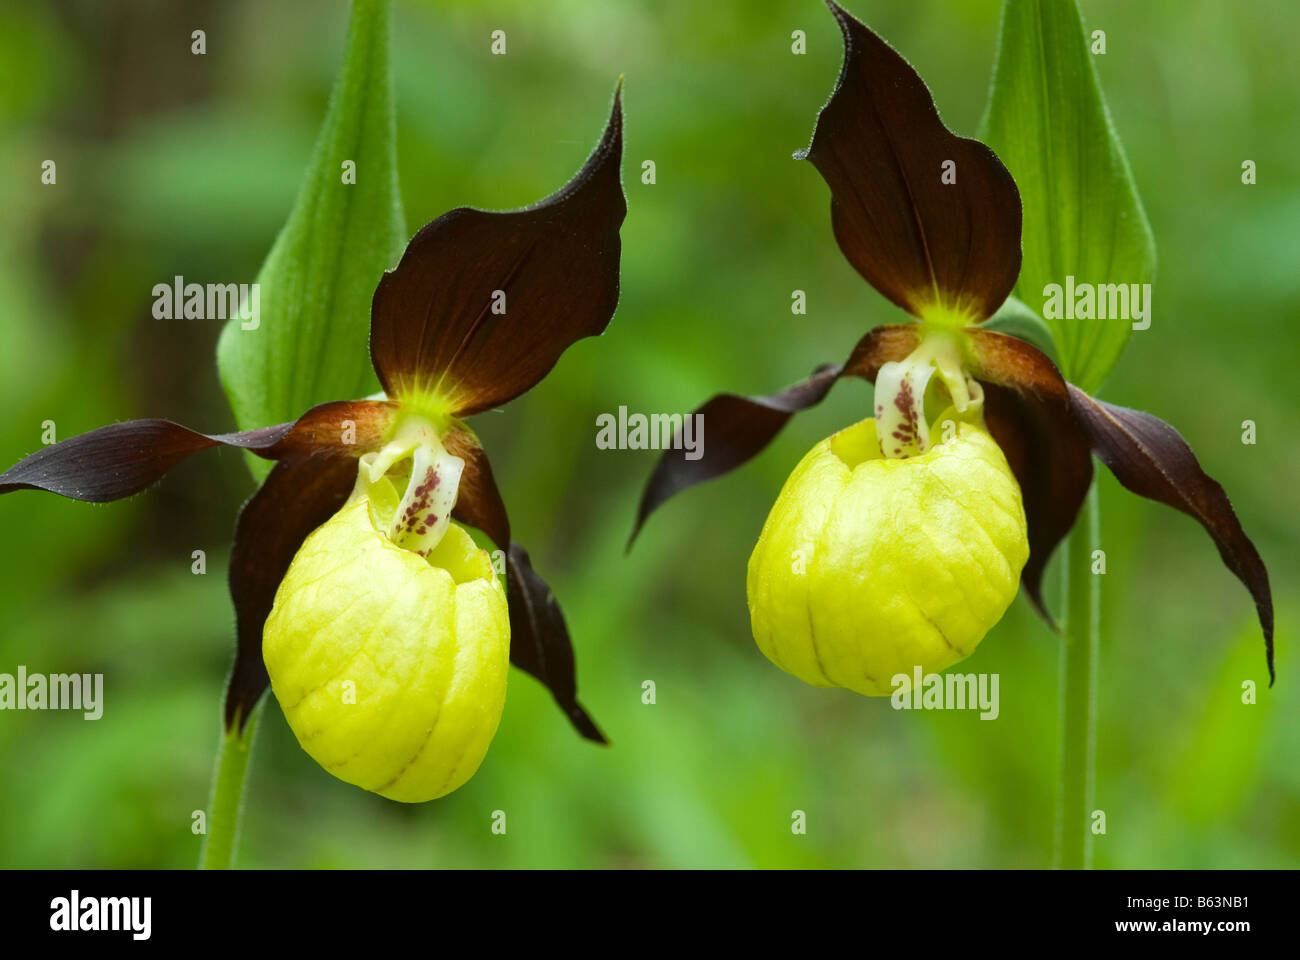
(1080,641)
(226,804)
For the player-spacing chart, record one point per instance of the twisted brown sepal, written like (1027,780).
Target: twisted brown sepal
(882,149)
(122,459)
(539,639)
(317,454)
(739,428)
(1027,410)
(297,497)
(482,304)
(1150,458)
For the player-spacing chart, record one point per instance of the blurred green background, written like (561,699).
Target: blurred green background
(169,163)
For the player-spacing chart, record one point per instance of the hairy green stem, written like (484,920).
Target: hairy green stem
(226,804)
(1078,690)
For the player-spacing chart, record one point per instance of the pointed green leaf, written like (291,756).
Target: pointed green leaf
(1047,120)
(309,344)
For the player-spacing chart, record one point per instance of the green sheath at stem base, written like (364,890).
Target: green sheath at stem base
(226,804)
(1078,690)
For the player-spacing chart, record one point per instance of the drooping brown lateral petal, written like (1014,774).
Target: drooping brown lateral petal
(736,428)
(884,152)
(297,497)
(1053,466)
(482,304)
(1027,409)
(122,459)
(1150,458)
(539,639)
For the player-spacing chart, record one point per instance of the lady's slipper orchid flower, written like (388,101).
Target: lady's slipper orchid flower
(897,542)
(383,627)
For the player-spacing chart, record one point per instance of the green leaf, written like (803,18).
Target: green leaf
(1047,120)
(310,344)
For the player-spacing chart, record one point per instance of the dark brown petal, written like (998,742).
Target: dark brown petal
(1150,458)
(296,498)
(1028,412)
(1053,466)
(433,332)
(881,147)
(739,428)
(539,639)
(122,459)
